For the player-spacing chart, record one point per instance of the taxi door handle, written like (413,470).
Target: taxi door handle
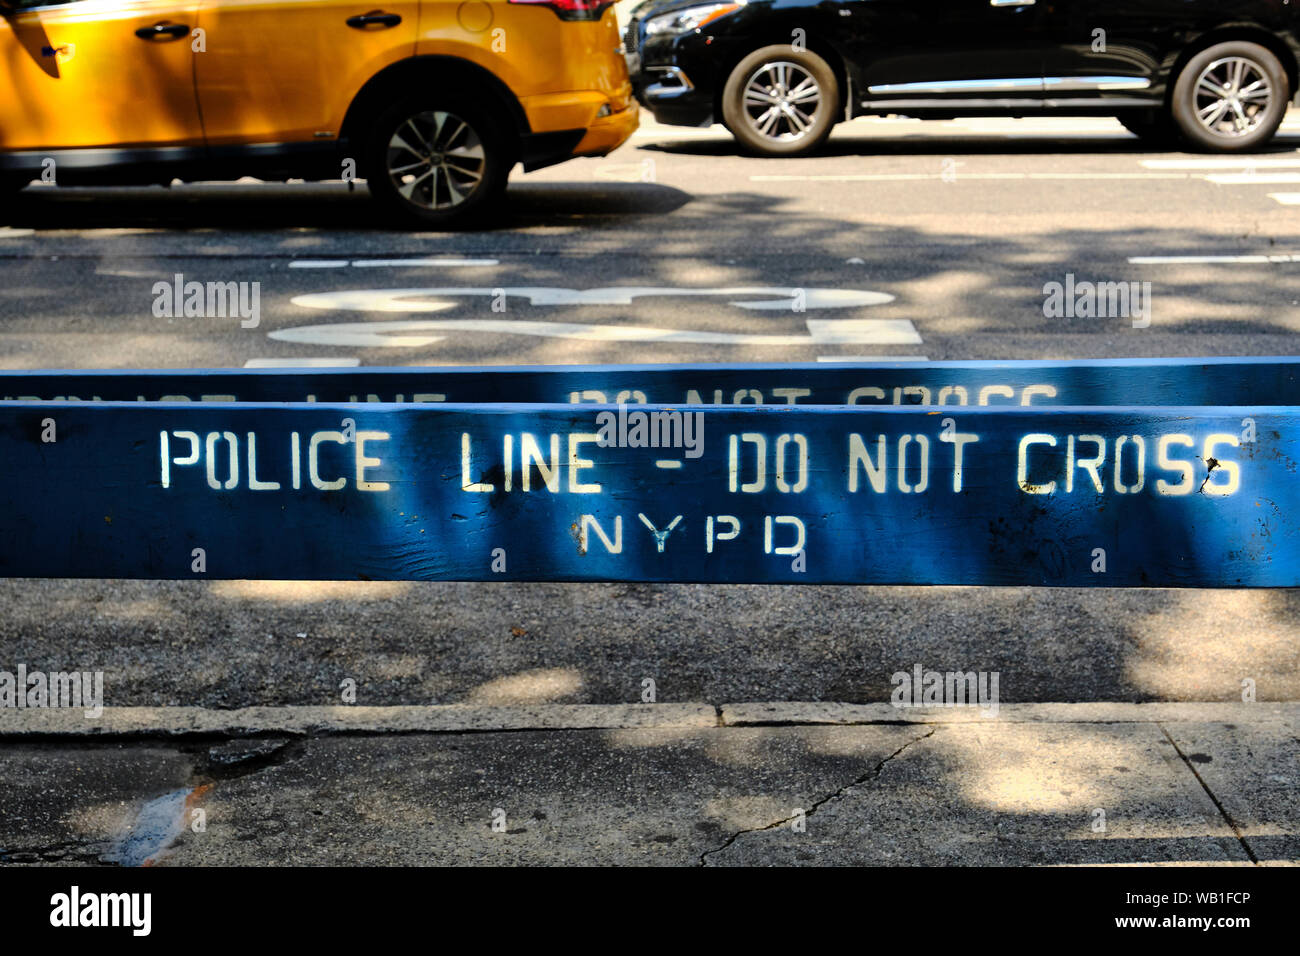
(374,18)
(173,31)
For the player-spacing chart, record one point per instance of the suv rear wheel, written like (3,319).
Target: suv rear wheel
(780,101)
(437,162)
(1231,97)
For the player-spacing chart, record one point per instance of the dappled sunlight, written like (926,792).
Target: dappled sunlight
(310,592)
(543,686)
(1125,770)
(381,806)
(1202,645)
(102,348)
(1015,768)
(749,812)
(396,666)
(140,611)
(122,232)
(96,821)
(648,738)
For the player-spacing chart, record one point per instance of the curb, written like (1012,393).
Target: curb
(757,715)
(458,718)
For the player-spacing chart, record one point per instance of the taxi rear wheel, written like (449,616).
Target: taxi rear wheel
(439,162)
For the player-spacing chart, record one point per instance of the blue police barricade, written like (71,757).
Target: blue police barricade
(1130,382)
(1068,496)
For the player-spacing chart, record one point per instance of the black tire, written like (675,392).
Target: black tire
(460,177)
(1262,110)
(765,68)
(1155,127)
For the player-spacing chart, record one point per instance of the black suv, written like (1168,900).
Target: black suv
(780,73)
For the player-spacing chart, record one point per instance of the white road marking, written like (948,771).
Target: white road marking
(302,363)
(405,334)
(418,300)
(910,177)
(387,263)
(1238,171)
(1209,260)
(872,359)
(403,263)
(410,333)
(1250,179)
(127,273)
(1238,163)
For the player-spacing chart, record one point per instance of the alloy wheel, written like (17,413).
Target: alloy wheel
(1232,96)
(436,160)
(781,101)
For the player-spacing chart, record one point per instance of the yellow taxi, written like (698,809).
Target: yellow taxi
(432,103)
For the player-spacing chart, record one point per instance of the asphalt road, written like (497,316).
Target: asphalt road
(963,223)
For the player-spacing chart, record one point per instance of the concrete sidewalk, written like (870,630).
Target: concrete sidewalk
(676,784)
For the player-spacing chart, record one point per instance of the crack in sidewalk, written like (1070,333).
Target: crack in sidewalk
(81,851)
(871,774)
(1223,811)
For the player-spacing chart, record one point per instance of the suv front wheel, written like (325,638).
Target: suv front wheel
(780,101)
(438,163)
(1231,97)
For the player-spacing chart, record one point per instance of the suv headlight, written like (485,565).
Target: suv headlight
(692,18)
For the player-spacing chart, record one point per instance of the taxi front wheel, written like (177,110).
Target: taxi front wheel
(438,163)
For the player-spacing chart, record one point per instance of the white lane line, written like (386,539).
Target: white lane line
(302,363)
(1250,179)
(1209,260)
(403,263)
(992,126)
(872,359)
(1286,199)
(912,177)
(387,263)
(415,333)
(1258,163)
(418,300)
